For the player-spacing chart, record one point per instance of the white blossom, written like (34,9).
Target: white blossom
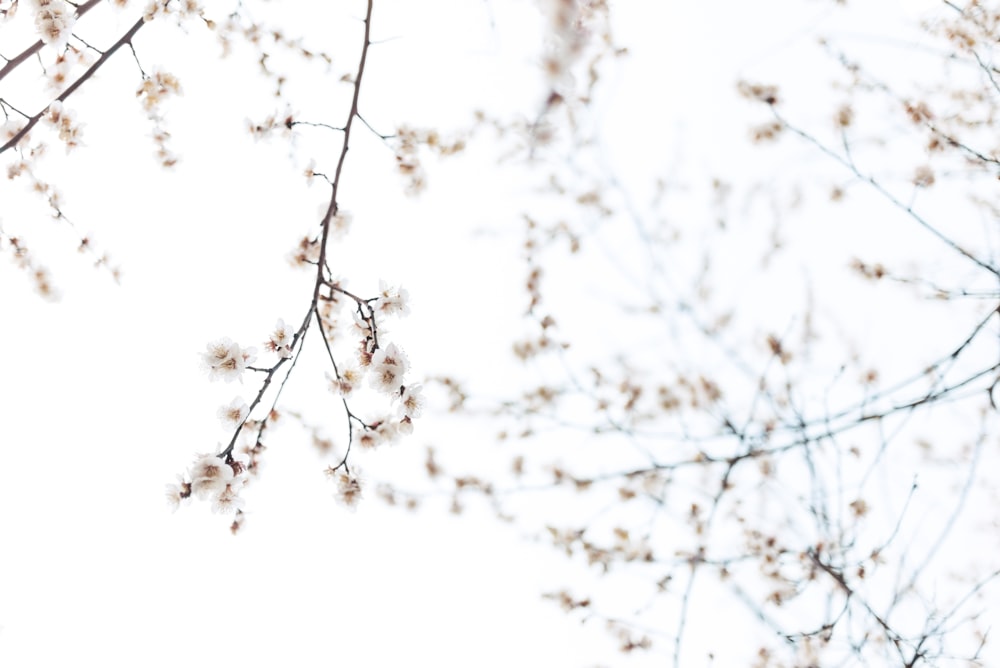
(389,365)
(387,430)
(227,501)
(58,73)
(240,463)
(369,439)
(361,326)
(350,379)
(62,120)
(54,20)
(281,339)
(226,360)
(232,416)
(11,127)
(348,487)
(392,300)
(157,87)
(411,401)
(340,224)
(210,476)
(178,492)
(154,8)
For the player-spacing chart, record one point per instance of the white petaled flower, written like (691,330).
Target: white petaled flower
(178,492)
(232,416)
(227,501)
(240,463)
(306,253)
(153,9)
(58,73)
(157,87)
(411,401)
(349,488)
(210,476)
(54,21)
(362,327)
(281,339)
(369,439)
(387,430)
(226,360)
(388,366)
(350,379)
(340,224)
(392,300)
(11,127)
(405,426)
(62,120)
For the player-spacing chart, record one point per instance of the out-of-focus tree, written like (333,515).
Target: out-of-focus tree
(761,410)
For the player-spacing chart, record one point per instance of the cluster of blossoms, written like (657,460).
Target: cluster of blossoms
(58,72)
(153,90)
(157,87)
(385,365)
(408,143)
(281,339)
(569,33)
(213,478)
(60,118)
(392,300)
(225,360)
(218,478)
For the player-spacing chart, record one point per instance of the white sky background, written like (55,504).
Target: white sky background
(103,402)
